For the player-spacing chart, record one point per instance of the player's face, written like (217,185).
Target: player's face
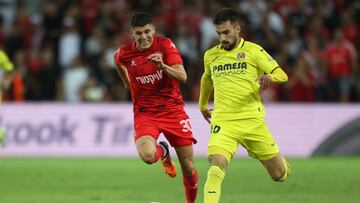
(228,34)
(143,36)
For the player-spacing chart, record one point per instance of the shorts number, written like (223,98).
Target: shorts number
(215,128)
(186,125)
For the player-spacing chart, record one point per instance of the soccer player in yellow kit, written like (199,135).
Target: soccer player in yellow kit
(5,75)
(237,69)
(5,69)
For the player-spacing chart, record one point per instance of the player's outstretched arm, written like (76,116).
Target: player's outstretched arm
(123,75)
(121,70)
(277,76)
(206,86)
(176,71)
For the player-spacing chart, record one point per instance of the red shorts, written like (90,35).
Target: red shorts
(175,127)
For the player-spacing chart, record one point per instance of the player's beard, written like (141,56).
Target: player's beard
(229,46)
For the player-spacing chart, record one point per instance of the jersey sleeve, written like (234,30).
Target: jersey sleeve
(117,57)
(207,69)
(264,61)
(173,56)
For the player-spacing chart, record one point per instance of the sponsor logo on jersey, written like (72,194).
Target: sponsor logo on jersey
(146,79)
(132,63)
(230,66)
(230,69)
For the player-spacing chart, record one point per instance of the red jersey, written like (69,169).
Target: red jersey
(152,90)
(339,59)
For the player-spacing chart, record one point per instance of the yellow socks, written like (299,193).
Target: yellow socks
(212,189)
(287,170)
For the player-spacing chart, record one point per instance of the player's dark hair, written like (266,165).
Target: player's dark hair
(226,14)
(140,19)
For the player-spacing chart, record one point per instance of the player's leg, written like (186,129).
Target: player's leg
(190,176)
(215,177)
(146,135)
(344,88)
(167,163)
(221,148)
(277,167)
(261,145)
(148,150)
(177,130)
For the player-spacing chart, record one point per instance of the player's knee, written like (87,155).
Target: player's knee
(147,157)
(275,176)
(279,176)
(188,169)
(216,171)
(285,172)
(218,160)
(281,179)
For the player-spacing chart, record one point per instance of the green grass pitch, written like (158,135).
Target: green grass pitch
(119,180)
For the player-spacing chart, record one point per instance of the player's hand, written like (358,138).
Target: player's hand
(207,114)
(264,81)
(157,59)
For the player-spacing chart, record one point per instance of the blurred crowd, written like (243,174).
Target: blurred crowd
(62,50)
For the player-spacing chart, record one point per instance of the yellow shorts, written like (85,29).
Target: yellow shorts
(252,134)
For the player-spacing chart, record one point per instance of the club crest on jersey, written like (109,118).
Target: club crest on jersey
(132,63)
(241,55)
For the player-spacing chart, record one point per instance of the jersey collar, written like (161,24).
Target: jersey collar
(241,43)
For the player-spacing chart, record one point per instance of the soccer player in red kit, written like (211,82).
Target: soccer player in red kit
(152,68)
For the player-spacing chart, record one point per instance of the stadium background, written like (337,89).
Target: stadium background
(63,49)
(68,119)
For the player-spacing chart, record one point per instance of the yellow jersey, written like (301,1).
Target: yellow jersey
(5,63)
(233,74)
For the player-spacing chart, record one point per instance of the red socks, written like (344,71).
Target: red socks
(191,187)
(159,153)
(190,182)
